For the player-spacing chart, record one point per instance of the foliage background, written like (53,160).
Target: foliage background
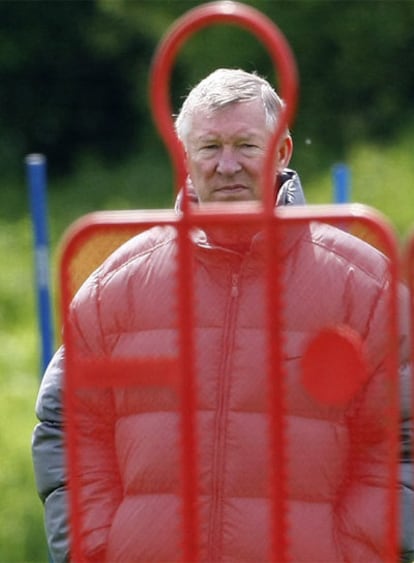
(74,86)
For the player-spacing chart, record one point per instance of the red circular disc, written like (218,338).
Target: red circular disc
(333,365)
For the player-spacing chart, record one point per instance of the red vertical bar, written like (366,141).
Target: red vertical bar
(73,488)
(389,244)
(276,386)
(393,361)
(188,392)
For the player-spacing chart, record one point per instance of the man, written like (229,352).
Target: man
(337,476)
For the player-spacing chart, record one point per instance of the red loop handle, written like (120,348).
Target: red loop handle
(272,38)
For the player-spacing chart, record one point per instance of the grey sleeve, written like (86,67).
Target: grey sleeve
(406,523)
(406,469)
(49,459)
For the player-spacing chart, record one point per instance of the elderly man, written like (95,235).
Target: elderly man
(337,470)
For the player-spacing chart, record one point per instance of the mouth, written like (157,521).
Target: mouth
(231,189)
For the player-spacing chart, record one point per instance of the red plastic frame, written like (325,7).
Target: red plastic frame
(272,38)
(270,219)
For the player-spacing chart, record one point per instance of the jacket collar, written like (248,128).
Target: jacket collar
(288,191)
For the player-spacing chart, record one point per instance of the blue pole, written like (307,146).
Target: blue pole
(341,183)
(36,178)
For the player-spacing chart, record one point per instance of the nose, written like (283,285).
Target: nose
(228,161)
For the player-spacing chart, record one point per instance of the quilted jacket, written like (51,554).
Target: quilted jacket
(337,471)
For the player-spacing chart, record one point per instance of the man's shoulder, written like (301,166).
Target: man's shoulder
(129,259)
(155,239)
(352,246)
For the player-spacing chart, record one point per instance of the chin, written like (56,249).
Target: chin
(234,198)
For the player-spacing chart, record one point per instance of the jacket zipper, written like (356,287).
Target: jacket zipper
(219,454)
(234,285)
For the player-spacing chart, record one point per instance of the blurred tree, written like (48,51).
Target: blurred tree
(354,62)
(74,75)
(354,59)
(68,81)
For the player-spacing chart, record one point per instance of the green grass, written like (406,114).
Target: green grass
(91,187)
(382,176)
(21,530)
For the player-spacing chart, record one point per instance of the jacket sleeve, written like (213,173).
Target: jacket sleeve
(406,470)
(406,523)
(49,459)
(405,461)
(96,476)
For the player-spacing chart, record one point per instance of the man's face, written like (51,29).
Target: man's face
(226,150)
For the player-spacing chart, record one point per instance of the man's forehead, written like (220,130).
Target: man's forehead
(208,110)
(239,132)
(240,118)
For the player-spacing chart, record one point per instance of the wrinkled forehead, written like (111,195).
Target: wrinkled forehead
(242,115)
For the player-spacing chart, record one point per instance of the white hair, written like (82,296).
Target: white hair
(227,86)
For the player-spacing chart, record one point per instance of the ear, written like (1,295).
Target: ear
(284,153)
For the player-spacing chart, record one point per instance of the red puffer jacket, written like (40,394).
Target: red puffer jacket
(130,443)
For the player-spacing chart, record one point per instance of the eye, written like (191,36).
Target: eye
(208,148)
(249,148)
